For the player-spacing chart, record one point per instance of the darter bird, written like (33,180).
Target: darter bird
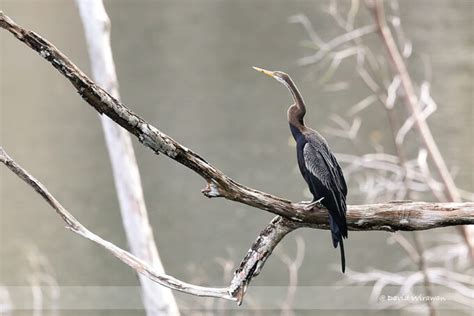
(317,164)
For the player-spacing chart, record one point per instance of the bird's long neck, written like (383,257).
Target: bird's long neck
(297,111)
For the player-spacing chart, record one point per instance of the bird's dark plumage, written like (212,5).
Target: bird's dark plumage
(325,180)
(317,164)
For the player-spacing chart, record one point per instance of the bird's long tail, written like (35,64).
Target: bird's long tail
(343,255)
(337,239)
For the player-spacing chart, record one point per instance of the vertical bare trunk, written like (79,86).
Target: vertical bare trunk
(157,299)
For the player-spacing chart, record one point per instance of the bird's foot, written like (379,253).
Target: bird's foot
(309,205)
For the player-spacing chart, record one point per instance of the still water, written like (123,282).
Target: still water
(185,66)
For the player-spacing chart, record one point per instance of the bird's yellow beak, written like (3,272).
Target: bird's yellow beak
(267,72)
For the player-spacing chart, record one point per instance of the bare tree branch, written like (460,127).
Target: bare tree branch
(376,7)
(424,270)
(269,237)
(135,263)
(399,67)
(399,215)
(258,253)
(334,43)
(398,175)
(417,216)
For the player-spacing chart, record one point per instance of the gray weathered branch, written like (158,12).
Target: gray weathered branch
(369,217)
(258,253)
(134,262)
(404,215)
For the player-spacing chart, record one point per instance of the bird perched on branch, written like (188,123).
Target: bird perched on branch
(317,164)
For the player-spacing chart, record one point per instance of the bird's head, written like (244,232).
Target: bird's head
(296,111)
(278,75)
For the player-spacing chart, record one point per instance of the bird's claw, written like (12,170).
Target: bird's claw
(310,205)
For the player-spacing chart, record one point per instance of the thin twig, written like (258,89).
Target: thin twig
(399,67)
(334,43)
(376,7)
(426,278)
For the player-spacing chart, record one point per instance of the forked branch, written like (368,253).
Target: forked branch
(404,215)
(266,242)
